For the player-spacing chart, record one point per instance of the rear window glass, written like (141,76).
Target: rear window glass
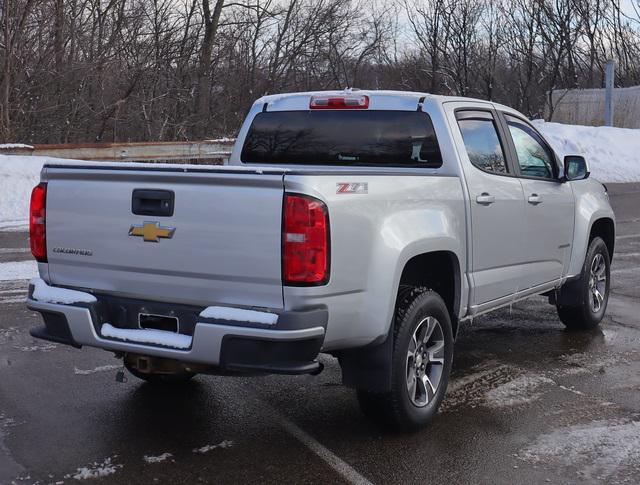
(342,137)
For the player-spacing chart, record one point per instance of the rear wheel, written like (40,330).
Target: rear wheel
(583,302)
(421,364)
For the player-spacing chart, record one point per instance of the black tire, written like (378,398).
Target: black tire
(161,379)
(396,409)
(576,302)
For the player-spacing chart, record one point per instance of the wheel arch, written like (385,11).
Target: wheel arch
(604,227)
(439,271)
(368,367)
(593,217)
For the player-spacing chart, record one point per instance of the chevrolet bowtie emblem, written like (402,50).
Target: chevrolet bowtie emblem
(151,231)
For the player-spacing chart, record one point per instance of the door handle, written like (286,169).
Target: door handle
(485,198)
(534,199)
(146,202)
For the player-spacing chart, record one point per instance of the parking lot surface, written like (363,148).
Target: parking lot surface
(528,402)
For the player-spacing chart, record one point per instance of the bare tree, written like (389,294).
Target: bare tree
(82,70)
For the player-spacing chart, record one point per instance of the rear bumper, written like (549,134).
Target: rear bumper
(285,349)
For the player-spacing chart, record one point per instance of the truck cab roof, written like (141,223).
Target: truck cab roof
(378,99)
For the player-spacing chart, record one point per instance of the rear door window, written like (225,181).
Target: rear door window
(343,137)
(482,142)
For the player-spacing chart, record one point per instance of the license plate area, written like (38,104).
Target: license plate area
(150,321)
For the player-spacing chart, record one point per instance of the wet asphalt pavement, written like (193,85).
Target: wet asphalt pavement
(529,402)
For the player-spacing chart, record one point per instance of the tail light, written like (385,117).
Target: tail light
(305,241)
(37,223)
(339,102)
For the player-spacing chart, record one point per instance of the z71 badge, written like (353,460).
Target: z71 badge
(352,188)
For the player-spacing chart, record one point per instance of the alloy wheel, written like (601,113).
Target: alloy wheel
(597,282)
(425,361)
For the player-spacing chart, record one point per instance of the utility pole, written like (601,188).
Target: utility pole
(608,96)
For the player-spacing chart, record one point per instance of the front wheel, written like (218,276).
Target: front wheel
(582,303)
(421,364)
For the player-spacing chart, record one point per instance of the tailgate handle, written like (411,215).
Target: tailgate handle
(149,202)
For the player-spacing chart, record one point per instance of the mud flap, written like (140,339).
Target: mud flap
(368,368)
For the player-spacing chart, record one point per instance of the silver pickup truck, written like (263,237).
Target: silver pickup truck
(368,225)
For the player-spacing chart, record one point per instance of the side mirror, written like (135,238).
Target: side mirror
(575,168)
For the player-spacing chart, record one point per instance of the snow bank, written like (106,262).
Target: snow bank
(18,270)
(157,337)
(239,315)
(50,294)
(18,175)
(613,154)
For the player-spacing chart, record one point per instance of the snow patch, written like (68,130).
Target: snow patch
(158,458)
(582,362)
(224,139)
(14,146)
(6,422)
(208,448)
(521,390)
(14,250)
(157,337)
(14,226)
(613,154)
(239,315)
(42,347)
(96,470)
(50,294)
(8,334)
(18,270)
(13,299)
(599,449)
(102,368)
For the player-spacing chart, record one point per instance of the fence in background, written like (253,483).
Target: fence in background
(587,107)
(197,152)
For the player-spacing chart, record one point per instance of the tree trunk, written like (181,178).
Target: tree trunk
(203,94)
(59,35)
(5,131)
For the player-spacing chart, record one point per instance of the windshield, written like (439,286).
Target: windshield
(343,137)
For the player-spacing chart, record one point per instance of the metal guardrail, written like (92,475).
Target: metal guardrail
(199,152)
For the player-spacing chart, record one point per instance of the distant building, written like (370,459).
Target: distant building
(586,107)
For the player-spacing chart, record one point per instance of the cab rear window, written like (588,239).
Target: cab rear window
(343,137)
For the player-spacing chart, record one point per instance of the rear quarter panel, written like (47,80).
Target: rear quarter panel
(373,235)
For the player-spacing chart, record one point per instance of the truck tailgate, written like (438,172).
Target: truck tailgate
(226,247)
